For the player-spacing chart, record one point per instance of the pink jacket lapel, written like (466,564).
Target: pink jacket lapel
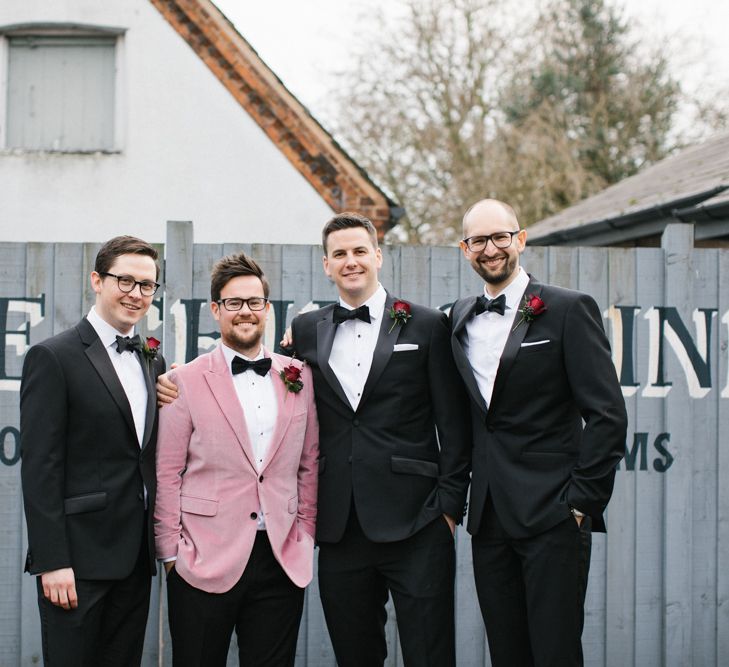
(286,402)
(220,382)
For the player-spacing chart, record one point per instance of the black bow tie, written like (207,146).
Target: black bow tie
(124,343)
(497,305)
(260,366)
(342,314)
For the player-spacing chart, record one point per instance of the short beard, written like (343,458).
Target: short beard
(497,278)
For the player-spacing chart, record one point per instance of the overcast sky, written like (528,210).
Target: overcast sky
(303,42)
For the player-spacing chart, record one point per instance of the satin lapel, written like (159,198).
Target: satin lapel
(386,340)
(221,385)
(147,368)
(286,400)
(459,354)
(513,344)
(325,330)
(99,358)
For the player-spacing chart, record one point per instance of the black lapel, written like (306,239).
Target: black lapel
(513,342)
(325,330)
(99,358)
(386,340)
(147,371)
(465,306)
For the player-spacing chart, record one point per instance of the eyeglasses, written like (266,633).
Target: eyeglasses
(127,284)
(236,303)
(500,240)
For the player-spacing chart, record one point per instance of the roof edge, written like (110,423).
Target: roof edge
(664,210)
(338,179)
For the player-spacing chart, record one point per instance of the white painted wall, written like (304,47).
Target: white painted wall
(188,151)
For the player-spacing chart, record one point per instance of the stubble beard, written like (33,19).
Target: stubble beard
(500,276)
(243,343)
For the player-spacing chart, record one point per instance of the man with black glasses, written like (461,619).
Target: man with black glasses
(549,425)
(237,474)
(88,425)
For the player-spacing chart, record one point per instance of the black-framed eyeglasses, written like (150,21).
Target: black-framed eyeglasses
(236,303)
(500,240)
(127,283)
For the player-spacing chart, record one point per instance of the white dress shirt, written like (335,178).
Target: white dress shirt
(127,368)
(257,398)
(486,335)
(354,346)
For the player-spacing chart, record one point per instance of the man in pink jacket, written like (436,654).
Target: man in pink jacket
(236,486)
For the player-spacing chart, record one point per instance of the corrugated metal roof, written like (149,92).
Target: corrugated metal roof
(695,170)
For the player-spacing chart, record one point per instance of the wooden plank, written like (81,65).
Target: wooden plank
(619,548)
(295,288)
(206,328)
(704,437)
(178,286)
(646,416)
(390,273)
(415,275)
(721,400)
(563,267)
(445,271)
(679,412)
(69,282)
(12,271)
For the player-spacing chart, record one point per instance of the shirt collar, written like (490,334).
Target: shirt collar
(514,290)
(376,303)
(106,333)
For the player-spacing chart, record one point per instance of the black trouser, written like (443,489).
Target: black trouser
(532,592)
(106,629)
(264,607)
(355,576)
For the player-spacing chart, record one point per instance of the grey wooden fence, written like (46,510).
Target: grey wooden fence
(659,582)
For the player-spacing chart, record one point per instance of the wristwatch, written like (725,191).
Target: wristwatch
(577,514)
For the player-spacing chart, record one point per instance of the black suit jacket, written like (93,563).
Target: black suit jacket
(531,451)
(386,455)
(82,469)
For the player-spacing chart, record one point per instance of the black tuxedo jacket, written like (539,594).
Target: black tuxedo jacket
(385,455)
(82,469)
(531,451)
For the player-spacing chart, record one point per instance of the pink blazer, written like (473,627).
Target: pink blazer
(209,490)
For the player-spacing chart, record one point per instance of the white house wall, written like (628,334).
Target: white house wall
(188,151)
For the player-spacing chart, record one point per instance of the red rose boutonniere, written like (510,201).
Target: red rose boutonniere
(150,347)
(531,307)
(400,313)
(291,376)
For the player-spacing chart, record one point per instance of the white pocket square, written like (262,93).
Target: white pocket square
(536,342)
(402,347)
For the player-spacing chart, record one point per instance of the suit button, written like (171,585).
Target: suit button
(260,479)
(254,516)
(356,422)
(349,459)
(490,428)
(141,496)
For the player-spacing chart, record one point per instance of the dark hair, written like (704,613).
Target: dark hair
(123,245)
(232,266)
(348,220)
